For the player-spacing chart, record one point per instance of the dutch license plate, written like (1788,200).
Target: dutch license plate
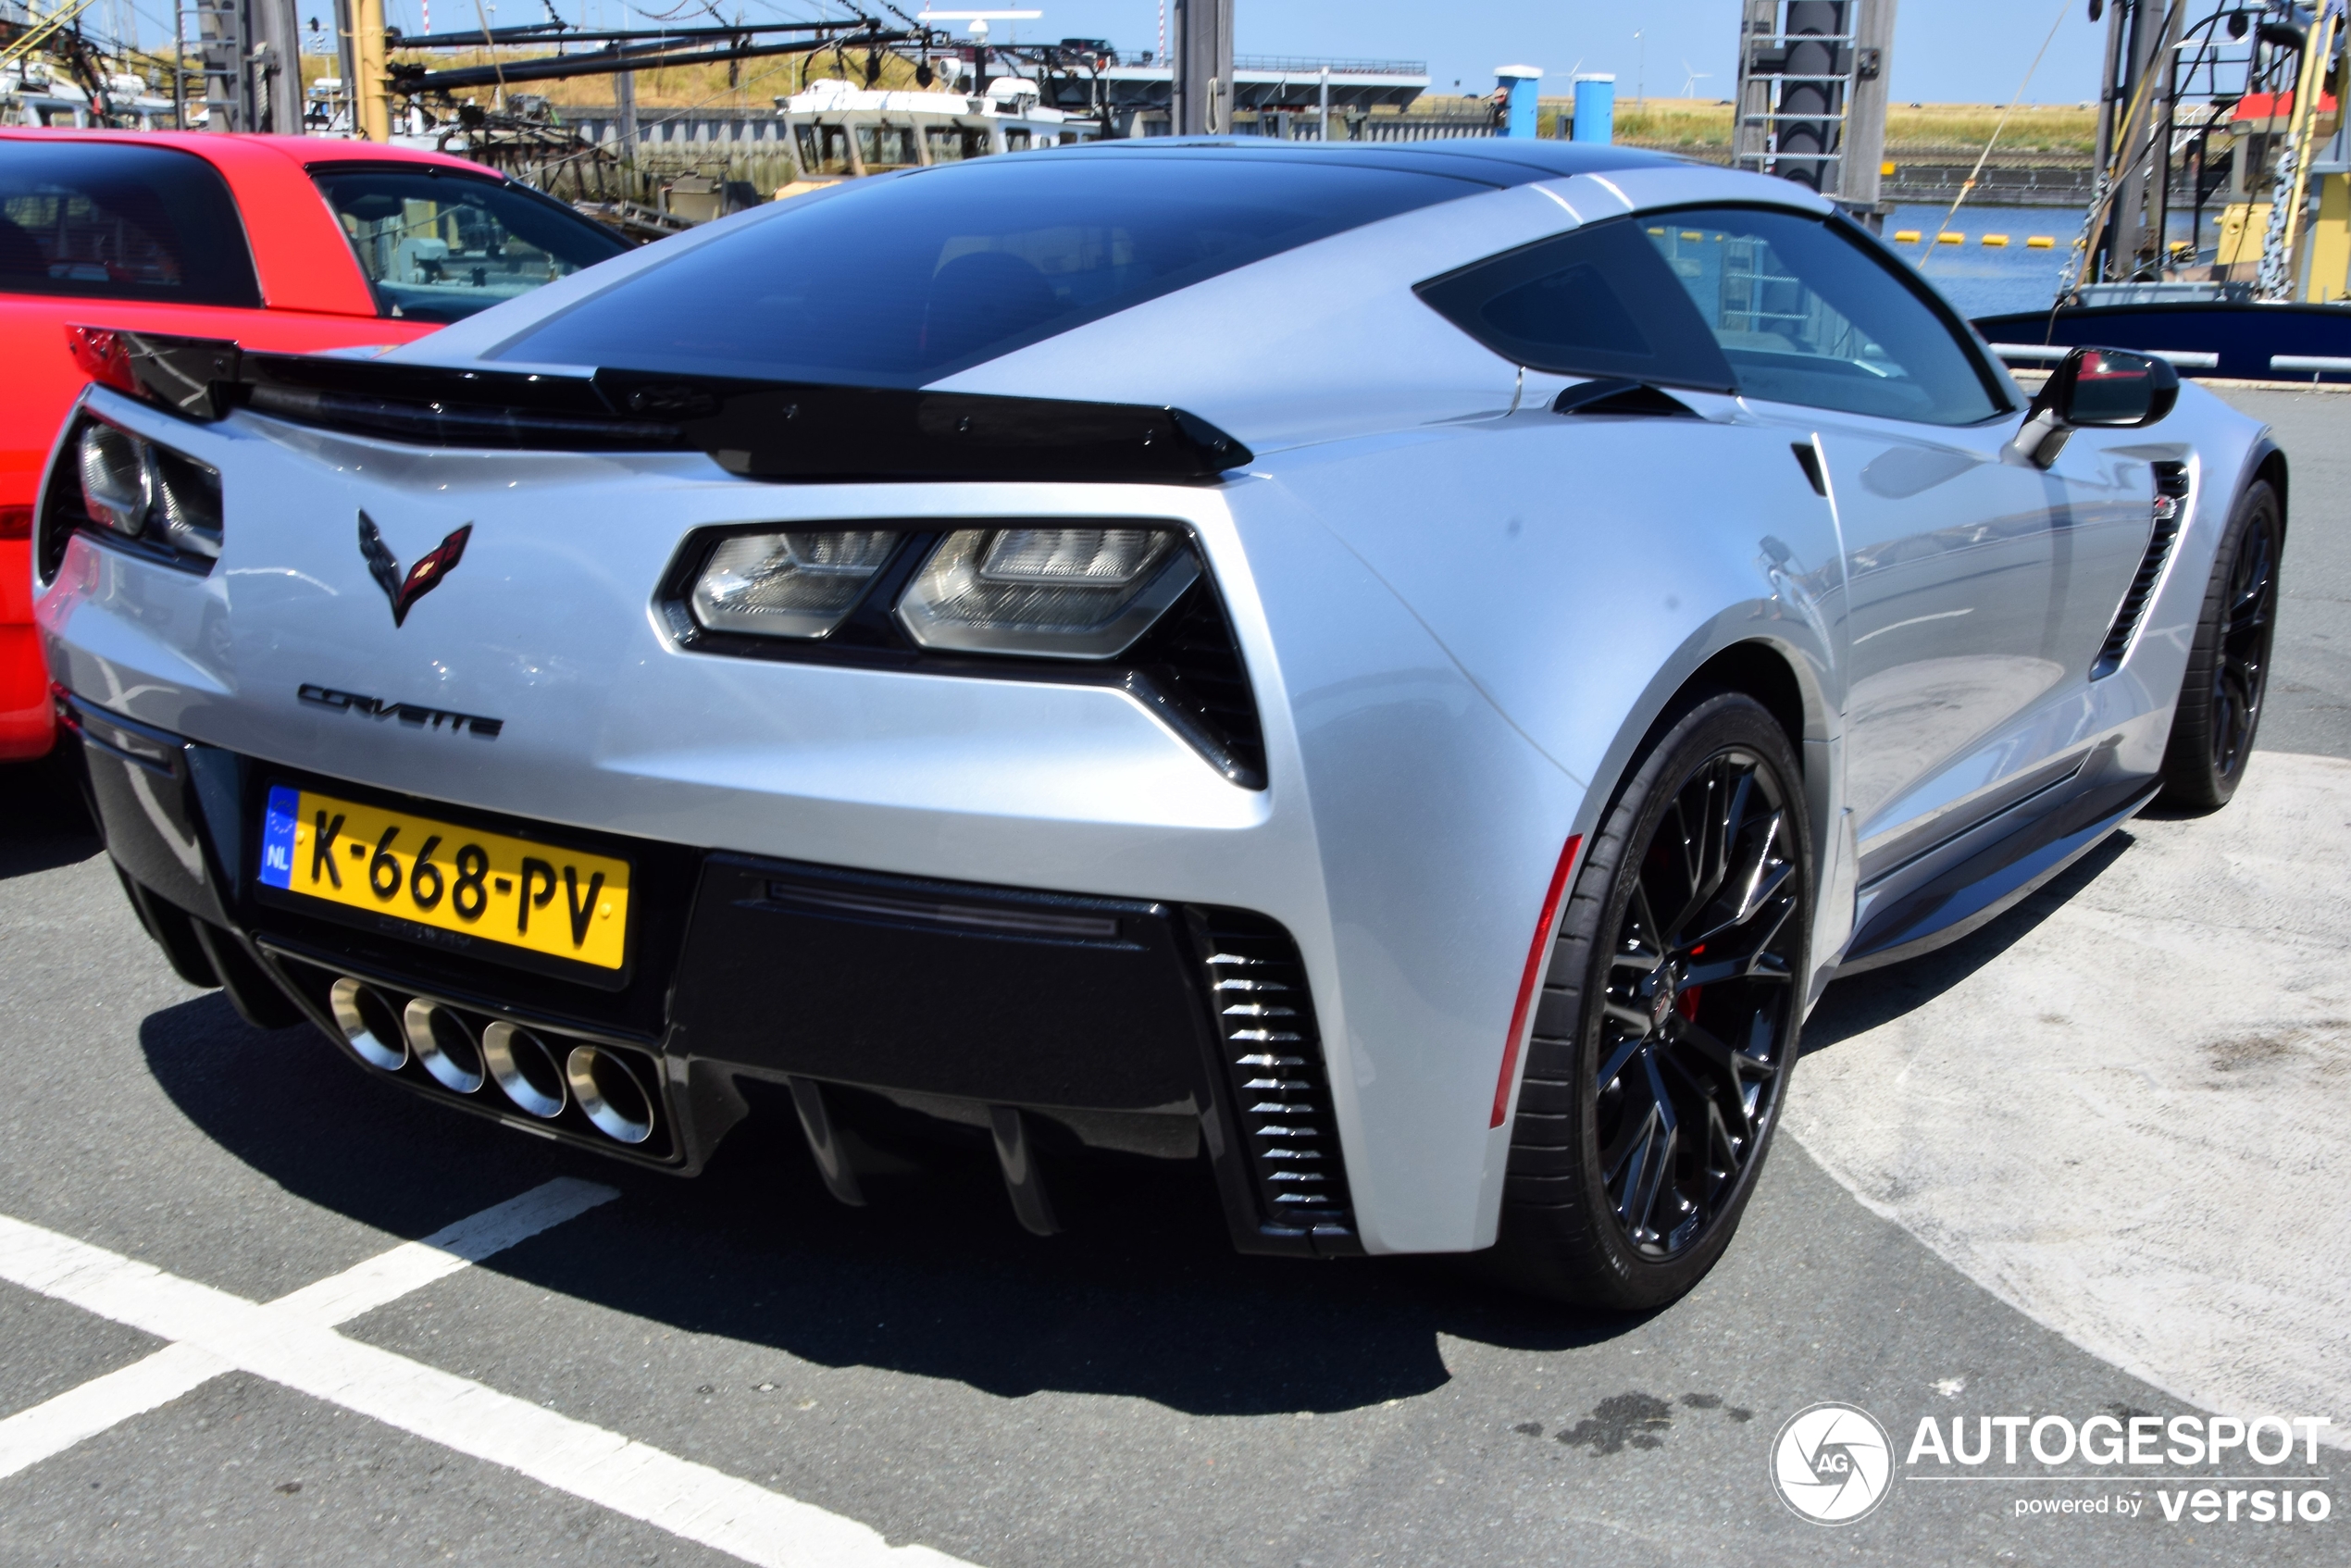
(539,897)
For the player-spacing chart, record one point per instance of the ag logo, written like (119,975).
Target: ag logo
(1832,1464)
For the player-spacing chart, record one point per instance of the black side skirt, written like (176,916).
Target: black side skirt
(1991,880)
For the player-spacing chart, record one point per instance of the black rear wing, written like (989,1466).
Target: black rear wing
(774,431)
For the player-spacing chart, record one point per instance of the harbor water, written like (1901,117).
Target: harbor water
(1983,280)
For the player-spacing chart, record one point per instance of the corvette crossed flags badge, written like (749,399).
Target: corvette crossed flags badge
(421,579)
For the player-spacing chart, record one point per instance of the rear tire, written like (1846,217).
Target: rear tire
(1667,1023)
(2221,695)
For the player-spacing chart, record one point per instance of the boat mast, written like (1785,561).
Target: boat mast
(2331,232)
(2136,107)
(2276,280)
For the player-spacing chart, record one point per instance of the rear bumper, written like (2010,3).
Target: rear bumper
(1150,1027)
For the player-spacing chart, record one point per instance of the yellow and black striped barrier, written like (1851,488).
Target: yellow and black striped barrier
(1992,241)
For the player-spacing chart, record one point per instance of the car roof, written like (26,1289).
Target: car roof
(1487,160)
(308,151)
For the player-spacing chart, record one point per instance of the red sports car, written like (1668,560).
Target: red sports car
(281,242)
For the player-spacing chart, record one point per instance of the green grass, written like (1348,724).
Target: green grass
(1704,123)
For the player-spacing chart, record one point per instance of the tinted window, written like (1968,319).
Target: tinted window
(436,247)
(106,220)
(901,281)
(1806,316)
(1597,301)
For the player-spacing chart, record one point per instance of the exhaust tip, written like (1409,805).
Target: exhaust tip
(609,1093)
(369,1023)
(444,1044)
(521,1065)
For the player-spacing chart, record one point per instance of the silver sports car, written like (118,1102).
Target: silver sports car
(1401,671)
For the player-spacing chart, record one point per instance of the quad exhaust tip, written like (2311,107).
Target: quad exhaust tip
(369,1023)
(521,1065)
(609,1094)
(541,1075)
(444,1045)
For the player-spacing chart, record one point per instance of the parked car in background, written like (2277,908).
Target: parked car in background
(277,242)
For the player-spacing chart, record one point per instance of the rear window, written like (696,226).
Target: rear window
(110,220)
(901,281)
(1769,305)
(1595,301)
(438,247)
(1806,316)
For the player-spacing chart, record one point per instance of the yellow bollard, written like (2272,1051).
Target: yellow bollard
(1906,236)
(2038,242)
(1997,242)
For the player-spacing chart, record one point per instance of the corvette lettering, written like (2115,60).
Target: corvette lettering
(414,715)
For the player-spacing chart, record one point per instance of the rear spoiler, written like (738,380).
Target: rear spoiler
(777,430)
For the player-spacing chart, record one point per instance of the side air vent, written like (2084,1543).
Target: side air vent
(2170,508)
(1273,1059)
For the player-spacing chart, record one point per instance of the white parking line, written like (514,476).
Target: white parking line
(289,1342)
(30,1435)
(78,1415)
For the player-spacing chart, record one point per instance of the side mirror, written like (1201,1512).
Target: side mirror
(2108,389)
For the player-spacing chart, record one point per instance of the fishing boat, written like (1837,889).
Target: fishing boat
(837,130)
(2232,121)
(35,91)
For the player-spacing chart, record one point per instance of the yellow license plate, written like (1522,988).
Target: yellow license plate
(540,897)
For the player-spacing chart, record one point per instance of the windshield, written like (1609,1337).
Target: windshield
(438,247)
(899,282)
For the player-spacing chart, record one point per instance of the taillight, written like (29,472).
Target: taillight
(789,584)
(1046,593)
(117,481)
(102,356)
(118,485)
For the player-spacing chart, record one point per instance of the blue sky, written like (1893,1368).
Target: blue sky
(1945,51)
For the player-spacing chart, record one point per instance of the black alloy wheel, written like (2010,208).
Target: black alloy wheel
(2228,674)
(1667,1027)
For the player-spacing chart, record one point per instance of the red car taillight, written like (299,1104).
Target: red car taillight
(100,355)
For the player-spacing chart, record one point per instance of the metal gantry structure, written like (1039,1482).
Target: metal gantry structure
(1200,45)
(236,64)
(1811,95)
(245,64)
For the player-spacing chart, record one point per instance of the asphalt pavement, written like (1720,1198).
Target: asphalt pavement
(226,1353)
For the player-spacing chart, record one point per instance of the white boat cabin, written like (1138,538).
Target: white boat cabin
(837,130)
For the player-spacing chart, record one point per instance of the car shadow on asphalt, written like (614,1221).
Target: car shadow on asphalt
(1142,1295)
(1856,1006)
(42,822)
